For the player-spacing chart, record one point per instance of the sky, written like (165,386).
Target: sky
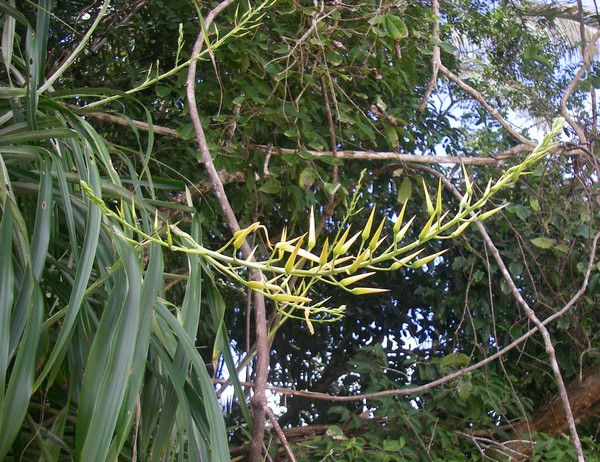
(588,4)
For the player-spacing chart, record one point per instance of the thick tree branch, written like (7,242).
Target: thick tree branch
(545,335)
(488,159)
(259,400)
(583,396)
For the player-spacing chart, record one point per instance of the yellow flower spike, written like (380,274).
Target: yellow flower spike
(558,125)
(251,256)
(283,237)
(307,320)
(240,236)
(324,253)
(188,197)
(263,286)
(396,266)
(362,257)
(430,209)
(169,236)
(367,291)
(465,201)
(340,261)
(367,231)
(156,219)
(375,239)
(468,186)
(289,298)
(289,264)
(425,231)
(460,229)
(303,253)
(400,234)
(133,213)
(438,202)
(348,244)
(120,211)
(434,228)
(502,182)
(486,215)
(400,218)
(426,259)
(338,246)
(378,243)
(405,260)
(487,189)
(352,279)
(312,237)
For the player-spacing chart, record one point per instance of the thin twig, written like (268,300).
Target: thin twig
(280,434)
(332,139)
(545,335)
(533,318)
(587,62)
(493,112)
(436,59)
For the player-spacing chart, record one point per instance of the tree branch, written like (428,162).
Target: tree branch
(281,435)
(587,62)
(479,97)
(436,59)
(539,325)
(259,400)
(332,139)
(490,159)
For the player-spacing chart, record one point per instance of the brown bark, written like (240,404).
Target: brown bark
(584,397)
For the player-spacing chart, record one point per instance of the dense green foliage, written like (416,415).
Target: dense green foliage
(122,301)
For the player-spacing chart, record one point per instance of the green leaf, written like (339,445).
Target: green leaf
(535,204)
(307,178)
(392,136)
(465,387)
(110,360)
(393,445)
(271,187)
(515,268)
(543,242)
(448,47)
(405,190)
(331,160)
(239,100)
(396,28)
(291,133)
(163,91)
(522,212)
(531,51)
(453,361)
(582,231)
